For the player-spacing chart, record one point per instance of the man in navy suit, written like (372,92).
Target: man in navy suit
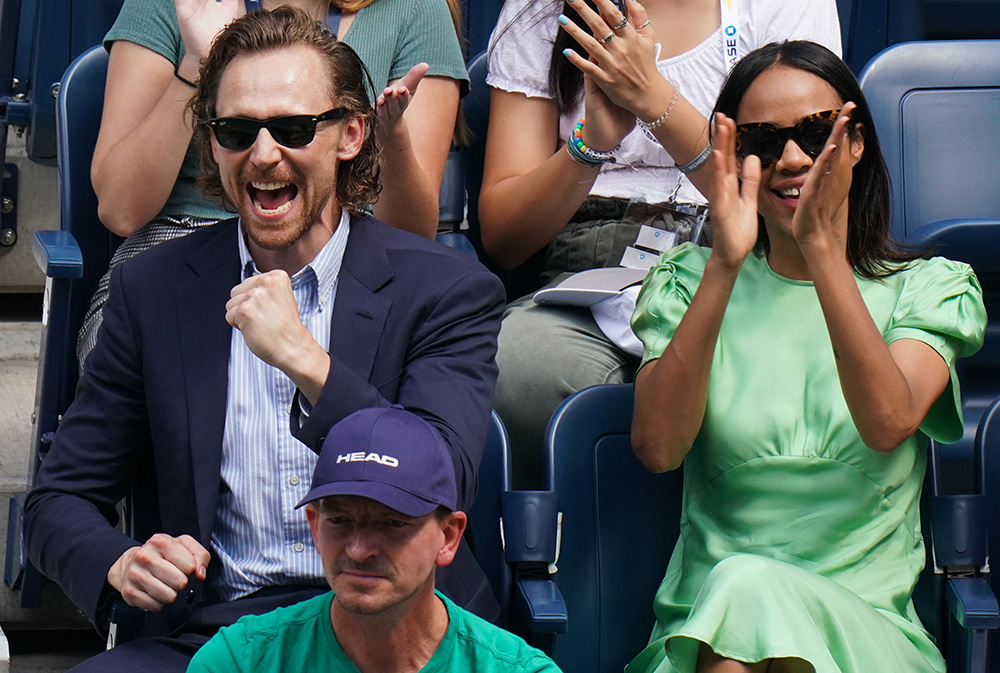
(227,354)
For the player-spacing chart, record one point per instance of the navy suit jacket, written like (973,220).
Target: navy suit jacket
(414,323)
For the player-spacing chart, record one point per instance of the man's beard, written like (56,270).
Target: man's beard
(309,202)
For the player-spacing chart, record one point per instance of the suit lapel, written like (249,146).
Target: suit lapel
(359,313)
(205,341)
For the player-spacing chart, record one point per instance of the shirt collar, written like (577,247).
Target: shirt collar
(325,266)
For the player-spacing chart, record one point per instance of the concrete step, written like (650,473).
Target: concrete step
(20,334)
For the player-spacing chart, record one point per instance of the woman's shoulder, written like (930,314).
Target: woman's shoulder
(938,292)
(151,24)
(520,48)
(774,20)
(934,271)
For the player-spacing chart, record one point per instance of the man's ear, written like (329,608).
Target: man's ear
(312,516)
(352,138)
(857,143)
(452,526)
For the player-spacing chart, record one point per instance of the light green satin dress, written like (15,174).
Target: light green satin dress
(796,539)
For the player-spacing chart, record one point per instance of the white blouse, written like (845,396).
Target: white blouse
(521,50)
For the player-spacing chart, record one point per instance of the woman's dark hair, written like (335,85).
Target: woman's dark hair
(565,79)
(871,250)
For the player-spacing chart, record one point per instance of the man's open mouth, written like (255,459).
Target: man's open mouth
(272,198)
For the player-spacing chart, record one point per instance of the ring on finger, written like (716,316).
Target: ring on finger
(624,22)
(644,24)
(607,38)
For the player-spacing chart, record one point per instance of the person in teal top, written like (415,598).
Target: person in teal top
(145,167)
(382,510)
(796,370)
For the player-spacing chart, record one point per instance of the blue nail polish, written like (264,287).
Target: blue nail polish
(567,53)
(563,20)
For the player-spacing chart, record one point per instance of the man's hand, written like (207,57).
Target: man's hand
(263,308)
(151,576)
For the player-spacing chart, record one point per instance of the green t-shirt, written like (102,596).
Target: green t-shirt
(390,36)
(300,638)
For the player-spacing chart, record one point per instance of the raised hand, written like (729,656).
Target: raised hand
(732,205)
(201,20)
(622,59)
(396,97)
(823,197)
(151,576)
(263,308)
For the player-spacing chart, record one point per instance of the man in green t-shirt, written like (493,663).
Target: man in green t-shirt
(382,510)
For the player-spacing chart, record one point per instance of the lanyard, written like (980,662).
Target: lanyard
(332,19)
(730,32)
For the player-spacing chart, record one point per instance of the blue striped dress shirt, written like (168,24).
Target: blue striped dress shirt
(259,538)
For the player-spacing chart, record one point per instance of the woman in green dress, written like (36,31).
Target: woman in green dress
(796,369)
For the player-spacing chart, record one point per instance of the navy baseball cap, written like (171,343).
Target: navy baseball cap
(390,456)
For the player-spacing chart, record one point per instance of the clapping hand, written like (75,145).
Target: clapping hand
(622,56)
(732,206)
(824,194)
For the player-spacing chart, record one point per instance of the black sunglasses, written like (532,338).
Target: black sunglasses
(239,133)
(768,141)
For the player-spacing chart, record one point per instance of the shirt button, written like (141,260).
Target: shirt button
(293,480)
(298,546)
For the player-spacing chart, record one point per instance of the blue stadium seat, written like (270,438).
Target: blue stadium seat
(869,26)
(478,19)
(935,106)
(484,517)
(87,246)
(988,463)
(48,35)
(612,507)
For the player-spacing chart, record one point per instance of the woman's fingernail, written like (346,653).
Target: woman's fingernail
(563,20)
(567,52)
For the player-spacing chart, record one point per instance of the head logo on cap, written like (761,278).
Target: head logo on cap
(388,461)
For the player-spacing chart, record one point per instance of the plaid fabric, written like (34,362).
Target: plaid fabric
(163,228)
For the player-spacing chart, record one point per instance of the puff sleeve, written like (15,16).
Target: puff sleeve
(665,296)
(941,305)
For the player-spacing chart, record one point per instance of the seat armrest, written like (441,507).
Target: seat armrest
(125,623)
(541,606)
(972,603)
(958,531)
(530,526)
(57,254)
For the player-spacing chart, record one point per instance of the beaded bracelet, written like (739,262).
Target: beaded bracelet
(662,119)
(697,162)
(577,158)
(579,150)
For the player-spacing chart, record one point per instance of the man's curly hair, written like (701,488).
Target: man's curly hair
(349,83)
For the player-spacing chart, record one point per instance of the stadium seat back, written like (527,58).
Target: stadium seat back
(620,523)
(484,517)
(869,26)
(935,106)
